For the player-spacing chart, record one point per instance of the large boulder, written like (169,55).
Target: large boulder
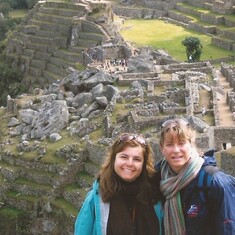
(51,119)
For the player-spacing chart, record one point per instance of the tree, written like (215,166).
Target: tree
(15,4)
(193,48)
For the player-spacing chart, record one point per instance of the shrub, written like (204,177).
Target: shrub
(31,3)
(193,48)
(10,82)
(16,4)
(5,8)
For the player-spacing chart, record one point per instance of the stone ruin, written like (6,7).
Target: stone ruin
(84,102)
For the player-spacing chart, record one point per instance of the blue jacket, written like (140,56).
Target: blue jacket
(93,216)
(209,209)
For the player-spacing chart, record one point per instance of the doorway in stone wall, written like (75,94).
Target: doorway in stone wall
(226,146)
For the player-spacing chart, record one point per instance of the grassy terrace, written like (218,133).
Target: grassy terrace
(159,34)
(198,9)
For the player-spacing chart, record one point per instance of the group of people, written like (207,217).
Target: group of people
(183,194)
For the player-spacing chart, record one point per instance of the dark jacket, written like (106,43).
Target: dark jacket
(209,207)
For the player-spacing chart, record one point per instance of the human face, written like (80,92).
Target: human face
(129,163)
(176,151)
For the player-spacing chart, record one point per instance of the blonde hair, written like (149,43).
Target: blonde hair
(183,129)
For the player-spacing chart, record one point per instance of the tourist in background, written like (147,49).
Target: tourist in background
(122,199)
(197,198)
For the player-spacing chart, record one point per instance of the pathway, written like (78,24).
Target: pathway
(225,114)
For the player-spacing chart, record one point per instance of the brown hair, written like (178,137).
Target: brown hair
(110,185)
(183,129)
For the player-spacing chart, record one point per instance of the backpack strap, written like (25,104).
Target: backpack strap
(205,179)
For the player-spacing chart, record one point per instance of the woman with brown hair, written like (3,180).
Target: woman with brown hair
(122,199)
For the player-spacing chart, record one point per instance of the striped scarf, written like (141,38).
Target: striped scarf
(170,185)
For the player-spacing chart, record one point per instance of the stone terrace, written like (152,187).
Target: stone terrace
(215,18)
(51,39)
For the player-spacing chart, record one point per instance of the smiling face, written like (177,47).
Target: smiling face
(129,163)
(175,150)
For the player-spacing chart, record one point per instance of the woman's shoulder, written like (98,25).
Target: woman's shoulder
(222,179)
(92,192)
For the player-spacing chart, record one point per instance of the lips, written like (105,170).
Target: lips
(128,170)
(177,157)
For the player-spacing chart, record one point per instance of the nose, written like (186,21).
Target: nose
(130,161)
(176,148)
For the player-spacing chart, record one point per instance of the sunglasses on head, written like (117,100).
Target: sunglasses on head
(138,138)
(174,121)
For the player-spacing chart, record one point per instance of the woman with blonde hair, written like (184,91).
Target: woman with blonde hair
(197,197)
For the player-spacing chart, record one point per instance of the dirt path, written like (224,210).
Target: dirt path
(225,114)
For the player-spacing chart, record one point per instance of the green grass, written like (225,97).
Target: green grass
(11,212)
(66,206)
(18,13)
(161,35)
(28,198)
(32,184)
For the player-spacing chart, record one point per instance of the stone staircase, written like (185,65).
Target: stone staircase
(41,46)
(198,18)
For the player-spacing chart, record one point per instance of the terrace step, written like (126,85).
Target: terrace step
(56,70)
(63,12)
(12,172)
(222,42)
(91,36)
(206,21)
(67,5)
(54,19)
(35,72)
(74,195)
(42,55)
(41,47)
(62,63)
(68,208)
(40,64)
(30,53)
(68,56)
(20,201)
(27,187)
(87,43)
(47,33)
(52,77)
(61,41)
(62,29)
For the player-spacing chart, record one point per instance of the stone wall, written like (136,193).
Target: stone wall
(221,7)
(229,72)
(227,162)
(137,13)
(224,135)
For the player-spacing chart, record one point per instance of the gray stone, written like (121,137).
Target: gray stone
(140,64)
(13,122)
(98,90)
(94,106)
(51,119)
(103,101)
(54,137)
(27,115)
(80,99)
(198,124)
